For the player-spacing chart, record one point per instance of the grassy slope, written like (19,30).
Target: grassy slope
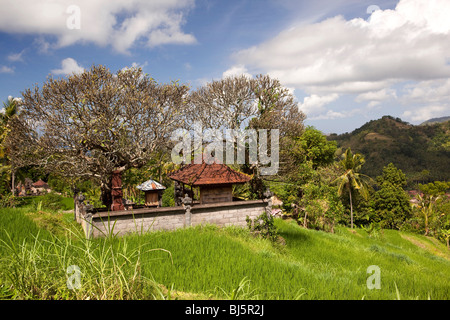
(211,262)
(313,265)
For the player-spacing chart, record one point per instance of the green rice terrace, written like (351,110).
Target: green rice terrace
(39,248)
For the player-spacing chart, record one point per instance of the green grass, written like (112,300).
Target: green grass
(37,261)
(219,263)
(313,265)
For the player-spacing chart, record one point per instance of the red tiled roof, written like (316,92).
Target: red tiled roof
(40,184)
(208,174)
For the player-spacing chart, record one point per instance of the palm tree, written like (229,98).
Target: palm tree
(426,206)
(351,179)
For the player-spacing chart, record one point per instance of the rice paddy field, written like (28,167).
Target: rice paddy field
(216,263)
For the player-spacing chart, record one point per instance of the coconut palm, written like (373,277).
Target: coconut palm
(426,205)
(351,179)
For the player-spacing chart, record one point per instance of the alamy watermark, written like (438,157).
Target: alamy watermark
(74,280)
(229,146)
(374,280)
(372,8)
(73,22)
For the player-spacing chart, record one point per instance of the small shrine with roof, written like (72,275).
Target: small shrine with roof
(214,181)
(153,192)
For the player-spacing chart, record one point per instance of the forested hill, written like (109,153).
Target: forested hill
(421,152)
(435,120)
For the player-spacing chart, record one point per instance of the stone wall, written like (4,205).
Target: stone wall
(227,213)
(170,218)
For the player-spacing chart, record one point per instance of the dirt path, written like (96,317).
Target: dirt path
(435,247)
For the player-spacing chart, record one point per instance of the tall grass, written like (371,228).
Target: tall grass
(40,265)
(208,261)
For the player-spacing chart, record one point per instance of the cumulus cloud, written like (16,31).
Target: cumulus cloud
(392,44)
(374,98)
(68,66)
(376,95)
(314,104)
(362,57)
(118,23)
(6,69)
(236,71)
(431,91)
(425,113)
(426,99)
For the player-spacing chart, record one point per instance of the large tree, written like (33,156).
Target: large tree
(95,123)
(241,102)
(391,202)
(224,104)
(313,146)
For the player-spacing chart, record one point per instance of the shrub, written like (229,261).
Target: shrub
(51,201)
(263,226)
(168,197)
(8,201)
(323,207)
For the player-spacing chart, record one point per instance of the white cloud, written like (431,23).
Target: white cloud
(42,45)
(5,69)
(426,99)
(329,115)
(68,66)
(430,91)
(14,57)
(118,23)
(376,95)
(236,71)
(314,104)
(425,113)
(375,98)
(362,58)
(390,45)
(137,65)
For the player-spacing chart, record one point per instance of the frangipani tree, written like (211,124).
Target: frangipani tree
(95,123)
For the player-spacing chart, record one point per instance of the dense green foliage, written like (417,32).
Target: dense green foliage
(263,226)
(391,202)
(421,152)
(168,197)
(313,146)
(323,209)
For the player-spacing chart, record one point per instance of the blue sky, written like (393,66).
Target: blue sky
(345,62)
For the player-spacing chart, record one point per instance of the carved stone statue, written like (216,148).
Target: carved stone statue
(268,198)
(187,201)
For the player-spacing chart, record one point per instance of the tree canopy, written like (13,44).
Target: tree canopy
(391,201)
(94,123)
(313,146)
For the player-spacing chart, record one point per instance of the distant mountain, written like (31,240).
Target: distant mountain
(435,120)
(421,152)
